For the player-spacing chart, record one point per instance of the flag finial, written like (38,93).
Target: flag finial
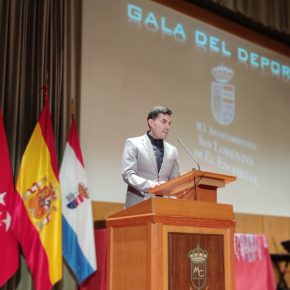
(72,107)
(44,89)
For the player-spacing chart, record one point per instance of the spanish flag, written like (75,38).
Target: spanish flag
(37,212)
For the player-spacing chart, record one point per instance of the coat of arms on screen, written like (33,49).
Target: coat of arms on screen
(198,270)
(222,95)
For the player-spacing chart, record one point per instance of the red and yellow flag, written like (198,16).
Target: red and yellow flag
(37,216)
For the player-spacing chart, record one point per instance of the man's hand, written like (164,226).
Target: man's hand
(157,184)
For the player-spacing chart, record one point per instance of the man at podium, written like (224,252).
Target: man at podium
(149,160)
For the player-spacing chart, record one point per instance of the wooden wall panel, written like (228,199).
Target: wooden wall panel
(249,223)
(275,228)
(101,210)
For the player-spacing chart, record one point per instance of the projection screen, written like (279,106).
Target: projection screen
(230,100)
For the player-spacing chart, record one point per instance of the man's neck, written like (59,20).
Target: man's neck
(149,133)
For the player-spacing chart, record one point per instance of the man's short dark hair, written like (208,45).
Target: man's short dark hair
(154,113)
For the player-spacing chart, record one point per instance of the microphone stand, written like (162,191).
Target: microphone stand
(195,182)
(188,151)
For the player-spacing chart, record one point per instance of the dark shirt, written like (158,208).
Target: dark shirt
(158,148)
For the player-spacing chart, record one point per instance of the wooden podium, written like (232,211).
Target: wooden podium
(174,243)
(196,185)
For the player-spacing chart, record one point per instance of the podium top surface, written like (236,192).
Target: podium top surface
(190,179)
(159,206)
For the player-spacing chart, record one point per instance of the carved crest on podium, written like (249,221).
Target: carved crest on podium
(198,270)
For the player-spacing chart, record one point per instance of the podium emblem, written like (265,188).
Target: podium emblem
(198,270)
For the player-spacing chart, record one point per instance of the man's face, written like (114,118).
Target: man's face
(159,127)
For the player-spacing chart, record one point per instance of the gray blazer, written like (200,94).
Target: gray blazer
(139,167)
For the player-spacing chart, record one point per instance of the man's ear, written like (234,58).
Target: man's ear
(150,123)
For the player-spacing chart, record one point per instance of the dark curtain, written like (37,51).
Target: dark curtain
(40,43)
(271,13)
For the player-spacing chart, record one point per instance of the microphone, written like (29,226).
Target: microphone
(188,151)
